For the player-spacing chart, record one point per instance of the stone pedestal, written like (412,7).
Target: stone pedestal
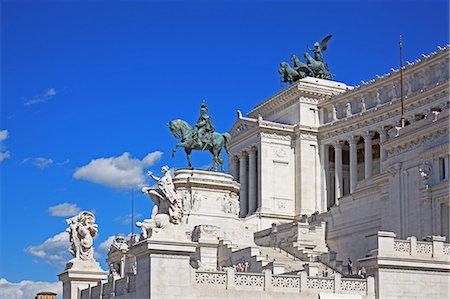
(211,198)
(80,275)
(163,264)
(207,244)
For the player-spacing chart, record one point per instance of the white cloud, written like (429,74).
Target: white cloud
(26,289)
(122,172)
(4,154)
(64,210)
(63,162)
(104,246)
(126,219)
(53,251)
(41,98)
(39,162)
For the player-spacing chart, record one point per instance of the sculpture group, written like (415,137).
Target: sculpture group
(201,137)
(314,66)
(82,230)
(168,206)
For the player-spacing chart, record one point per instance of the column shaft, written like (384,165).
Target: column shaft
(368,155)
(338,170)
(243,181)
(353,165)
(325,176)
(383,137)
(235,168)
(252,199)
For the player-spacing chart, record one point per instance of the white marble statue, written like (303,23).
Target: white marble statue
(168,204)
(82,230)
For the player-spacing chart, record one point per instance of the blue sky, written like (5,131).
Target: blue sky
(85,83)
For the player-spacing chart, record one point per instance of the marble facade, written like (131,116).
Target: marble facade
(318,173)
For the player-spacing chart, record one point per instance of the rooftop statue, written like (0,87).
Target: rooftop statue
(201,137)
(82,230)
(315,65)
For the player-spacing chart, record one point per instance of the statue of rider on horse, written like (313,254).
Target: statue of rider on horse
(314,67)
(201,137)
(203,128)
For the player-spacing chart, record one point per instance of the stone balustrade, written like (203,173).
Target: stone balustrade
(231,280)
(113,289)
(433,248)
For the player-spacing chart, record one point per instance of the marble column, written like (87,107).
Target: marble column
(243,181)
(383,137)
(338,170)
(235,167)
(353,164)
(252,199)
(368,155)
(324,152)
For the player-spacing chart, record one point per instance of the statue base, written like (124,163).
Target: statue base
(80,275)
(211,198)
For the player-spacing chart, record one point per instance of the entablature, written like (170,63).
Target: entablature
(305,90)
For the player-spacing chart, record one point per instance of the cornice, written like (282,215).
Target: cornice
(309,88)
(423,136)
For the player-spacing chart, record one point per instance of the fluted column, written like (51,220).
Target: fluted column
(235,167)
(383,137)
(252,199)
(368,155)
(338,169)
(353,164)
(324,153)
(243,181)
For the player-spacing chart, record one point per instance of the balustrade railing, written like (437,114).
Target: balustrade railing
(420,249)
(446,249)
(320,283)
(286,281)
(247,279)
(354,285)
(281,283)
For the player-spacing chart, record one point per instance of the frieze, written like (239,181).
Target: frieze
(387,117)
(306,135)
(440,150)
(427,139)
(197,201)
(230,203)
(409,107)
(275,136)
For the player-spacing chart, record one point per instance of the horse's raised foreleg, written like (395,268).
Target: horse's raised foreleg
(176,147)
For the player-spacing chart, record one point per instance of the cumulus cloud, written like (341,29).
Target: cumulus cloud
(64,210)
(4,154)
(26,289)
(126,219)
(53,251)
(122,172)
(41,98)
(104,246)
(39,162)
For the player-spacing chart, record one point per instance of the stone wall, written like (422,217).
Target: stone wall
(408,268)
